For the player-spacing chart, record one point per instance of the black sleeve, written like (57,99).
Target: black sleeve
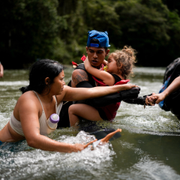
(116,78)
(100,101)
(139,100)
(111,98)
(85,84)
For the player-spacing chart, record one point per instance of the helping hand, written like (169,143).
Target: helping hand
(150,100)
(155,98)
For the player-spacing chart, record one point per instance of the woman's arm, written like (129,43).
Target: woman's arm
(76,94)
(28,114)
(106,77)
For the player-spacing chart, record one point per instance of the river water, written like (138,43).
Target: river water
(148,149)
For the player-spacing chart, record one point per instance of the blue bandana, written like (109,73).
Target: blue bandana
(102,37)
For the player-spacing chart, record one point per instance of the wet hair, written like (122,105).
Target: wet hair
(39,71)
(125,60)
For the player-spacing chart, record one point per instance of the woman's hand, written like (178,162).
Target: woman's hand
(77,147)
(80,147)
(129,86)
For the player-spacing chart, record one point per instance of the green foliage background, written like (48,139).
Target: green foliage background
(57,29)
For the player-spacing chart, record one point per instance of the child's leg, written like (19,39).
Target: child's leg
(83,110)
(73,118)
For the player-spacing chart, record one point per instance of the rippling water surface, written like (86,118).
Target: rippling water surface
(148,148)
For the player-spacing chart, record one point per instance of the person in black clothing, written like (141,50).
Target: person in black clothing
(169,95)
(97,50)
(118,67)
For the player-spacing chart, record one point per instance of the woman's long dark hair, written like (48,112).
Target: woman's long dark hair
(39,71)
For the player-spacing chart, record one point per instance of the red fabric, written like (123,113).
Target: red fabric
(100,83)
(111,109)
(74,63)
(83,58)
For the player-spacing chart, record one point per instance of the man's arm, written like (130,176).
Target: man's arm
(79,76)
(141,100)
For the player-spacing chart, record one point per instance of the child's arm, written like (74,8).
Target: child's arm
(106,77)
(105,62)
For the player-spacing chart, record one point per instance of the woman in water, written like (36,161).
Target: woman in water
(41,98)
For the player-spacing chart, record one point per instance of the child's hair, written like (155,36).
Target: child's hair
(125,60)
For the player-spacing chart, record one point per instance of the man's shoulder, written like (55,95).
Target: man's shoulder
(79,72)
(80,69)
(81,66)
(79,75)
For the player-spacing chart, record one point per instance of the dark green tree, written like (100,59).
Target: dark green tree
(173,5)
(144,27)
(29,32)
(57,29)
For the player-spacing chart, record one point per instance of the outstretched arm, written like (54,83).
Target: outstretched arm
(80,79)
(77,94)
(106,77)
(175,85)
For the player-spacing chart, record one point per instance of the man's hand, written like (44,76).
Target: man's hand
(155,99)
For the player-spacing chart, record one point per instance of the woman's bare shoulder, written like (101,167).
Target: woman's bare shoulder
(27,102)
(29,98)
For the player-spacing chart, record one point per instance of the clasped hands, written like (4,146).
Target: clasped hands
(154,99)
